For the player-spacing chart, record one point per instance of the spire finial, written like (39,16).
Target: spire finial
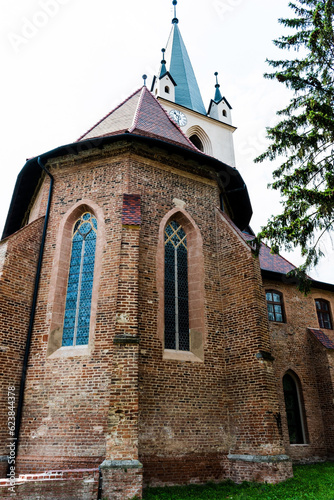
(175,20)
(163,56)
(163,70)
(144,78)
(218,96)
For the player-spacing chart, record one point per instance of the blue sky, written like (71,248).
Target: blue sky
(66,63)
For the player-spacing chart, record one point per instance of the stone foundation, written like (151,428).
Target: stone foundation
(60,485)
(122,479)
(262,469)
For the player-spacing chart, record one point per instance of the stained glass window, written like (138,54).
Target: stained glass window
(323,312)
(80,282)
(176,288)
(293,409)
(275,306)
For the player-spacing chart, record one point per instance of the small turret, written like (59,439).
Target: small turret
(164,85)
(220,108)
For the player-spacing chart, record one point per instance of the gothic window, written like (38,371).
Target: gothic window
(224,112)
(294,409)
(80,282)
(323,312)
(197,142)
(167,89)
(275,306)
(176,288)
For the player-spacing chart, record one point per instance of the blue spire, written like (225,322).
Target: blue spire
(163,69)
(187,92)
(218,96)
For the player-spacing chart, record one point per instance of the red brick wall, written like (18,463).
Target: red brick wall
(17,278)
(324,367)
(69,485)
(294,349)
(81,408)
(190,413)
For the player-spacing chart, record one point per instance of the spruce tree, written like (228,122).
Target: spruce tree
(305,135)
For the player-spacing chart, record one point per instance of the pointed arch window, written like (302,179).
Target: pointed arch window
(294,409)
(80,282)
(176,288)
(197,142)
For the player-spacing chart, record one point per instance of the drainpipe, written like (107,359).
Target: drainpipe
(99,492)
(32,317)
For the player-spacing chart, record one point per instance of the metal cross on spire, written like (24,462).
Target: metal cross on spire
(175,20)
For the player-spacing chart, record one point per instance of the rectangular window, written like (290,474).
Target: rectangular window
(275,306)
(323,312)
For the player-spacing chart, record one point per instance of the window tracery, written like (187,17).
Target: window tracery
(176,288)
(80,282)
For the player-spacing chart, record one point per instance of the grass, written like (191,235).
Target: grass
(314,482)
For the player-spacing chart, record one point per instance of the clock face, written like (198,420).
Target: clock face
(178,117)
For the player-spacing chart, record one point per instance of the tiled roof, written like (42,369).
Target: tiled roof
(131,215)
(268,261)
(274,262)
(322,337)
(271,261)
(141,114)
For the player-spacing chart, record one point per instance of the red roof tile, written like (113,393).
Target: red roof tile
(322,337)
(274,262)
(268,261)
(141,114)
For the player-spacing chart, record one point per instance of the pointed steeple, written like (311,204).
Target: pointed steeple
(163,69)
(218,96)
(187,92)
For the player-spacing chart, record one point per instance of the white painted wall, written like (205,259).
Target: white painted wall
(220,134)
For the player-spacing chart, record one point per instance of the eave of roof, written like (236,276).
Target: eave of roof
(30,174)
(275,276)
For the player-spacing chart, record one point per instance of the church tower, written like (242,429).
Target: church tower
(177,89)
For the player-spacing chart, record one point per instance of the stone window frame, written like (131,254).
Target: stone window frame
(196,130)
(321,311)
(59,278)
(197,330)
(301,407)
(281,303)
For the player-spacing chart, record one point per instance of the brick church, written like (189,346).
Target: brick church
(144,341)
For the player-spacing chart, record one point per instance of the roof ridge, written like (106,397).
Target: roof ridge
(108,114)
(136,114)
(178,128)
